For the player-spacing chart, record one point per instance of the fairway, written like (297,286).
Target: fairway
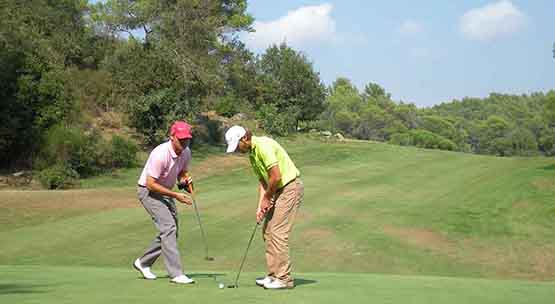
(33,284)
(379,224)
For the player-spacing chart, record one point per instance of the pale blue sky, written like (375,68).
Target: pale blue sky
(425,52)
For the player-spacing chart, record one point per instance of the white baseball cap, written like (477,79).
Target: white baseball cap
(232,136)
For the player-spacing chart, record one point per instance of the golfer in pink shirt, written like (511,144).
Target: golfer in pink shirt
(167,164)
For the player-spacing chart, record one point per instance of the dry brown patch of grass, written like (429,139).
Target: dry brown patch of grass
(24,208)
(522,205)
(72,199)
(423,239)
(518,260)
(314,234)
(217,165)
(544,184)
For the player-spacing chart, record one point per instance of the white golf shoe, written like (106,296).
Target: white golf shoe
(182,279)
(263,281)
(278,284)
(145,271)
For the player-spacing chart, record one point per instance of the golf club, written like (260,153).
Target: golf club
(244,258)
(206,257)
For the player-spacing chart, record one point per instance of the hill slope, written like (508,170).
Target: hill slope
(369,208)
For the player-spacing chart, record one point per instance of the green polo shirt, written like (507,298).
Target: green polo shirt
(266,153)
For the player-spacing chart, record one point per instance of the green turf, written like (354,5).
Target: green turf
(31,284)
(379,222)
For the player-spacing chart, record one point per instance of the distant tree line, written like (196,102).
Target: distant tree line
(66,62)
(500,124)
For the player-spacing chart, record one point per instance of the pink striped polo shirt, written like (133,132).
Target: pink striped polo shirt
(164,165)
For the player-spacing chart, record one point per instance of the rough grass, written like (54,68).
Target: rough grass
(369,208)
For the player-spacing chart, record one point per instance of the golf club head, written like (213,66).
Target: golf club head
(209,258)
(232,286)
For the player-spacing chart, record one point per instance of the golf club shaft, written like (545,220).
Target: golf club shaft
(246,252)
(201,229)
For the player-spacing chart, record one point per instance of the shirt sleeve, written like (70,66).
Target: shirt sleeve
(156,166)
(268,157)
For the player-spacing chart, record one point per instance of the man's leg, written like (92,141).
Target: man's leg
(164,215)
(278,226)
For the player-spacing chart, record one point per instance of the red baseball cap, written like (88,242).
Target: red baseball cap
(181,130)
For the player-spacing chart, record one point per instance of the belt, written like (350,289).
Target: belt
(289,182)
(139,185)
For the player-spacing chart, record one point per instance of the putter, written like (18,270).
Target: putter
(206,257)
(244,258)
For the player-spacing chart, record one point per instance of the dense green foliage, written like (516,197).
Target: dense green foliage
(501,125)
(65,63)
(39,41)
(68,153)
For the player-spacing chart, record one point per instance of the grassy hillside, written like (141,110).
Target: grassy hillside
(369,208)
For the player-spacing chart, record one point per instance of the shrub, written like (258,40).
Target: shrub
(72,147)
(547,142)
(123,152)
(274,122)
(429,140)
(59,177)
(153,113)
(401,139)
(230,105)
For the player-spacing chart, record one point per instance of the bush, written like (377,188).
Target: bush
(72,147)
(59,177)
(152,114)
(346,121)
(547,142)
(230,105)
(401,139)
(276,123)
(82,152)
(123,152)
(429,140)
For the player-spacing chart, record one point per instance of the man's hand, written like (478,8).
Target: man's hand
(181,197)
(259,215)
(265,206)
(186,183)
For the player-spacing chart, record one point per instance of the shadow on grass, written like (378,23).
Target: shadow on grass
(550,167)
(196,275)
(299,282)
(21,289)
(206,275)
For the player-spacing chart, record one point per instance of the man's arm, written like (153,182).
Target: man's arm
(261,192)
(274,177)
(153,185)
(267,192)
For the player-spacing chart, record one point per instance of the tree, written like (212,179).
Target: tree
(494,136)
(550,108)
(39,39)
(343,105)
(288,81)
(374,93)
(188,52)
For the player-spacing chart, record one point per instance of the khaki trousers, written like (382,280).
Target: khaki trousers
(277,227)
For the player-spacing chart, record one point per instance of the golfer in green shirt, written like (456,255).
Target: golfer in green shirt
(280,195)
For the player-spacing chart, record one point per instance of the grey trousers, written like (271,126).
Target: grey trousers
(163,212)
